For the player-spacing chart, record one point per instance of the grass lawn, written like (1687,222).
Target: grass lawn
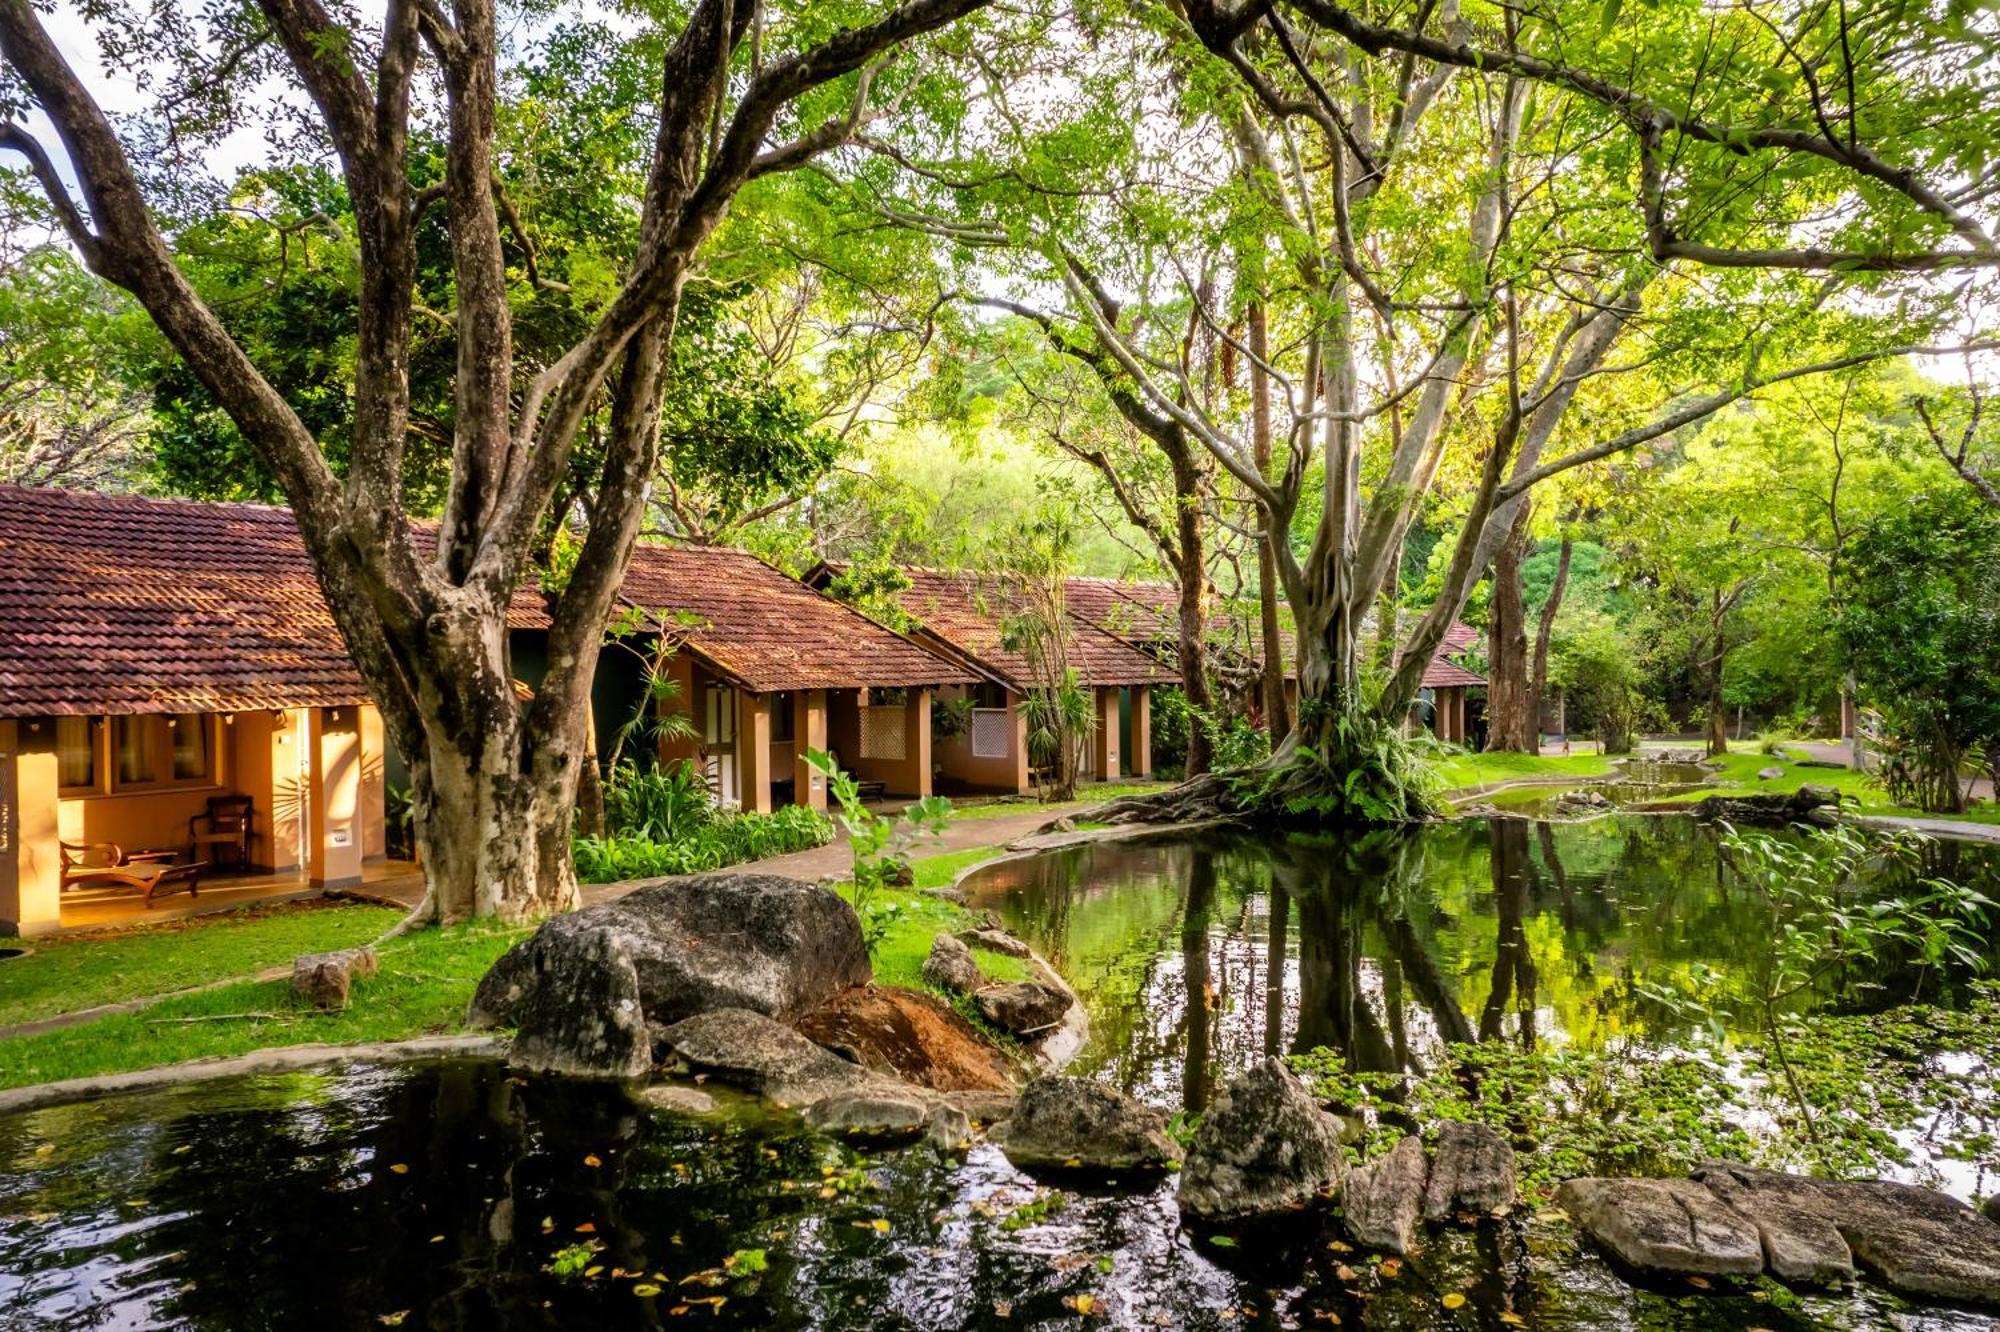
(1090,793)
(1463,770)
(1738,776)
(425,983)
(426,980)
(82,971)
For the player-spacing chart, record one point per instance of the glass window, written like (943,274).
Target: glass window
(76,752)
(190,737)
(781,718)
(133,742)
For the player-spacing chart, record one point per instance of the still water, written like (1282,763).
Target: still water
(453,1195)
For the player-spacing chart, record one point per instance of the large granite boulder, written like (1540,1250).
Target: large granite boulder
(912,1035)
(1075,1122)
(1664,1226)
(587,990)
(1384,1200)
(1263,1147)
(1472,1170)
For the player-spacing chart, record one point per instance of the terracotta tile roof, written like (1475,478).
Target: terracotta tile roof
(962,610)
(771,632)
(1148,612)
(114,604)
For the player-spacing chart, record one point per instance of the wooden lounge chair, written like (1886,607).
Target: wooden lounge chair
(224,825)
(106,863)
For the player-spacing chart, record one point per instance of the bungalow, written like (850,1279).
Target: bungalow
(768,669)
(172,689)
(1147,614)
(958,615)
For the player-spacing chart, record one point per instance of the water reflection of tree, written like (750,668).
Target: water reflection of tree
(1513,965)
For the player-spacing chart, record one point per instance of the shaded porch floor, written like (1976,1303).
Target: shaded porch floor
(109,907)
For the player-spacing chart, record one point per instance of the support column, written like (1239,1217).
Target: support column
(917,739)
(334,794)
(30,851)
(753,751)
(1104,744)
(1017,722)
(1142,731)
(808,733)
(374,786)
(680,670)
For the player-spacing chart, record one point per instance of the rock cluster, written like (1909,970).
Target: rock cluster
(1028,1009)
(1265,1147)
(1730,1219)
(587,991)
(1808,804)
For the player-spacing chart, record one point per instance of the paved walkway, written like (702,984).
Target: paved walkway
(834,858)
(1842,752)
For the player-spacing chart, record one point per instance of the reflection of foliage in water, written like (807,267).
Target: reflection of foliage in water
(1890,1091)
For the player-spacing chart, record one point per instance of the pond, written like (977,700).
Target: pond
(453,1195)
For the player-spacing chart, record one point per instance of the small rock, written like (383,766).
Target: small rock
(1772,809)
(678,1099)
(1060,1121)
(1382,1201)
(898,873)
(1263,1147)
(996,940)
(868,1115)
(1472,1170)
(951,966)
(1023,1007)
(1990,1208)
(1065,824)
(1770,774)
(763,1055)
(1664,1225)
(948,1128)
(324,980)
(982,1107)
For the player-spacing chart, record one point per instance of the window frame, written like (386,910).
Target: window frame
(104,751)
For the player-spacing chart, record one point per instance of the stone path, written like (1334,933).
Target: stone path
(834,857)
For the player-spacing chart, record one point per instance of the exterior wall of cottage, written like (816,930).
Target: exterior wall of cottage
(991,756)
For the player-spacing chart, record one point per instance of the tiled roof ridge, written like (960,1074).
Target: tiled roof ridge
(71,494)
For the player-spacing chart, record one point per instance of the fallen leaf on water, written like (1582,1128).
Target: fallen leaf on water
(828,1192)
(1339,1247)
(678,1310)
(1512,1319)
(1083,1304)
(1326,1315)
(593,1269)
(135,1202)
(548,1224)
(392,1319)
(49,1149)
(1222,1241)
(1344,1273)
(587,1228)
(1391,1267)
(1699,1283)
(645,1290)
(1003,1308)
(399,1169)
(437,1239)
(184,1149)
(592,1161)
(1453,1301)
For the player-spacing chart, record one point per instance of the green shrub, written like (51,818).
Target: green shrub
(728,839)
(663,804)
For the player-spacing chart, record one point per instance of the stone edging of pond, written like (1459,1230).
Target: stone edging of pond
(275,1059)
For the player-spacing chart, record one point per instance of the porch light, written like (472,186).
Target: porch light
(229,719)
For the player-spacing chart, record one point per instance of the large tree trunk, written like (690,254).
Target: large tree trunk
(1718,712)
(1277,712)
(1511,726)
(1192,570)
(1538,679)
